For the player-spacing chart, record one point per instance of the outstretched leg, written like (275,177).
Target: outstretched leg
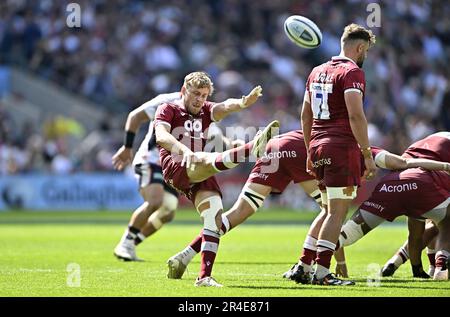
(209,164)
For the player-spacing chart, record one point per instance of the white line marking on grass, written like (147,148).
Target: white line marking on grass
(33,270)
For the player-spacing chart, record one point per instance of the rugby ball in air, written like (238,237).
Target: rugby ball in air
(302,31)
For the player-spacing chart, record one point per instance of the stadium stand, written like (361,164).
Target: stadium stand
(126,52)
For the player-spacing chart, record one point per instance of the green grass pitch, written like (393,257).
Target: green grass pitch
(38,248)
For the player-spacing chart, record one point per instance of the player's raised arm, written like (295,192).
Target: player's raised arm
(223,109)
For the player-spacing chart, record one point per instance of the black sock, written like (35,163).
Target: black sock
(137,240)
(132,232)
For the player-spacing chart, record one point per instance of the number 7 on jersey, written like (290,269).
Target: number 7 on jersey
(319,100)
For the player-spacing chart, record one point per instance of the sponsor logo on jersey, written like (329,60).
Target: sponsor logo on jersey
(374,205)
(260,175)
(398,188)
(322,162)
(279,154)
(359,86)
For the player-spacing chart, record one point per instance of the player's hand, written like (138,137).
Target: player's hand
(188,159)
(251,97)
(309,167)
(122,158)
(371,168)
(341,270)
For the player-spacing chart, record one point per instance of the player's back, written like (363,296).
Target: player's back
(327,85)
(434,147)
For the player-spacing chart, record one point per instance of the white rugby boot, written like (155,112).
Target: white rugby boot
(126,250)
(207,281)
(262,137)
(440,274)
(176,267)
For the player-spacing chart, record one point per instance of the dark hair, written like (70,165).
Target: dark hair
(357,32)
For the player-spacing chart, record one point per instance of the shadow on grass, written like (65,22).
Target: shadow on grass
(259,263)
(292,287)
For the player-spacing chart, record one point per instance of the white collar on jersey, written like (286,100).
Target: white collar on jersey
(344,57)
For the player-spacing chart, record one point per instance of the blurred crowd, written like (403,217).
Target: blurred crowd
(127,51)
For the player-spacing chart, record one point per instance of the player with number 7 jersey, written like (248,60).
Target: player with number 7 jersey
(335,133)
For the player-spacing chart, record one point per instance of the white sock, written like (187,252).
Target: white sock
(125,237)
(310,243)
(321,271)
(306,267)
(187,255)
(400,257)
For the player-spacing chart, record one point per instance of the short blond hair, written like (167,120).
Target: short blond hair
(198,80)
(357,32)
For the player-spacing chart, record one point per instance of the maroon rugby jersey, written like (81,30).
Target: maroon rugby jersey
(326,86)
(191,130)
(434,147)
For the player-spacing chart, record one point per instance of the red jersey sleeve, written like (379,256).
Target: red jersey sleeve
(164,115)
(307,84)
(208,110)
(355,79)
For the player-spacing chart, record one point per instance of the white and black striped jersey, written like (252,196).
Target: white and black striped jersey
(148,152)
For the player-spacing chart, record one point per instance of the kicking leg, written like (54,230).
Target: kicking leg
(209,164)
